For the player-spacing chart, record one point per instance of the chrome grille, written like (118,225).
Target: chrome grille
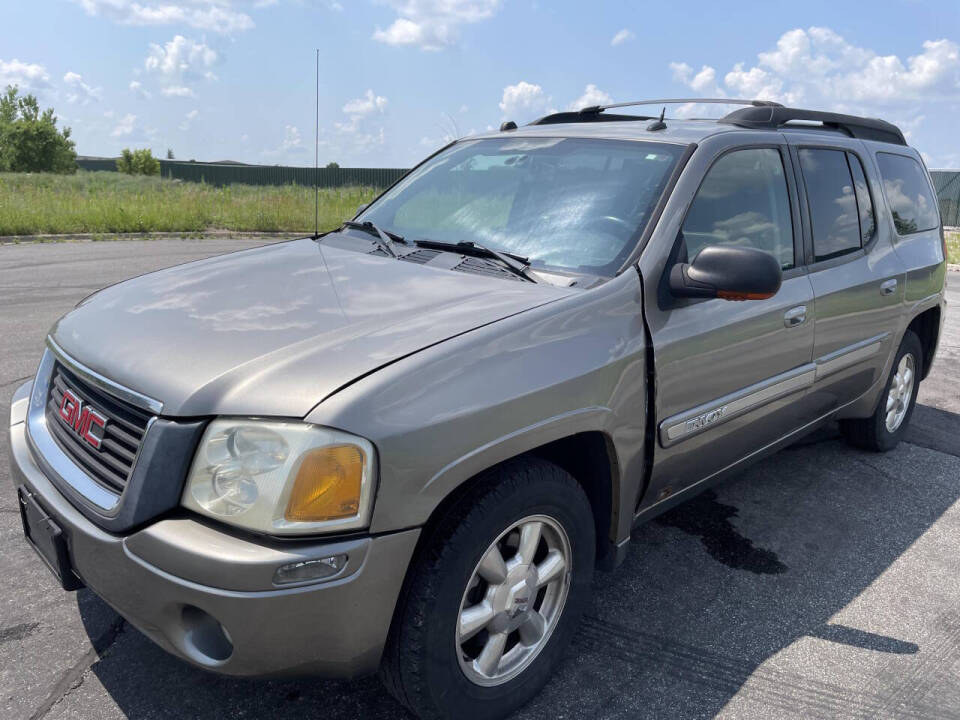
(112,464)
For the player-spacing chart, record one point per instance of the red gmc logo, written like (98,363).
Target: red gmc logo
(82,419)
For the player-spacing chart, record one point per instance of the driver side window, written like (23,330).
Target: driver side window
(743,201)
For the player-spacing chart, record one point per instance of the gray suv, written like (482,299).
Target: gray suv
(403,446)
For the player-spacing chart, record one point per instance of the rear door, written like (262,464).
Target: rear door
(730,376)
(857,279)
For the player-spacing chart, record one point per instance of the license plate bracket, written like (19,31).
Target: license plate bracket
(47,538)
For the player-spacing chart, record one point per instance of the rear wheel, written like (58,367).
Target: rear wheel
(883,430)
(494,595)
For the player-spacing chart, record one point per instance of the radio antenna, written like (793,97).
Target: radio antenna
(316,157)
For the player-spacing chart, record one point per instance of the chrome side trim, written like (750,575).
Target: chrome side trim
(849,355)
(696,420)
(109,386)
(48,454)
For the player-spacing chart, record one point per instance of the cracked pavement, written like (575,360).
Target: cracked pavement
(821,582)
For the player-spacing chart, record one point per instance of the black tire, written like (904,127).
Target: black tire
(871,433)
(421,664)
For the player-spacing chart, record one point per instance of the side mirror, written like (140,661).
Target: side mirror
(361,208)
(730,272)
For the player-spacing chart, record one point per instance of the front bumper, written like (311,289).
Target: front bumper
(182,582)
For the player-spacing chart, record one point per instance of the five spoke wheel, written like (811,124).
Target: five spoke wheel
(513,600)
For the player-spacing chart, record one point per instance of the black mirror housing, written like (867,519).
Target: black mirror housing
(730,272)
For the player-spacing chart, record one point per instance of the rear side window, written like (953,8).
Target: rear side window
(743,200)
(832,199)
(908,193)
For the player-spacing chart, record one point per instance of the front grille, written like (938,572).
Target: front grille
(111,464)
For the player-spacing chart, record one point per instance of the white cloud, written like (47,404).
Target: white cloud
(78,91)
(125,127)
(188,119)
(27,76)
(464,109)
(291,138)
(176,91)
(818,67)
(621,37)
(592,95)
(213,15)
(523,100)
(291,147)
(180,62)
(433,24)
(365,105)
(702,81)
(137,88)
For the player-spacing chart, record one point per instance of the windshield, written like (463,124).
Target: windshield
(567,203)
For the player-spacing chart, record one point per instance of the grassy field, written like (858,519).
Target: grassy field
(109,202)
(953,247)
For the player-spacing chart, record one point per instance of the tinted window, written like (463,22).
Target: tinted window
(908,193)
(743,201)
(563,202)
(868,221)
(832,201)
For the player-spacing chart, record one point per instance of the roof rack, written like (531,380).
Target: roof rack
(777,116)
(595,113)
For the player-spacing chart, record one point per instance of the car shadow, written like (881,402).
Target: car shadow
(709,592)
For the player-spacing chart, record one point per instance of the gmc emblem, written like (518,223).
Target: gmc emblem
(82,419)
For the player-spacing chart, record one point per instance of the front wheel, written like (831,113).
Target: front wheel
(494,595)
(883,430)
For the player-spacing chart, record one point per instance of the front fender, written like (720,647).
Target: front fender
(441,416)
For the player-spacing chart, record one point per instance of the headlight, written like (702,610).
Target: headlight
(284,478)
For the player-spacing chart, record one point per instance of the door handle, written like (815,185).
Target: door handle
(888,287)
(795,316)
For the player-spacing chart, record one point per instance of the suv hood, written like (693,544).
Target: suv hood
(275,330)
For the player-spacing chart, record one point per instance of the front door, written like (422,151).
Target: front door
(731,375)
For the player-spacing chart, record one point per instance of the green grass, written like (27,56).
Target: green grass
(953,247)
(109,202)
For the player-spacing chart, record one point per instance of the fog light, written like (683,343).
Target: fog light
(310,570)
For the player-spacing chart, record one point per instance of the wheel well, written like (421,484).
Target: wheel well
(926,325)
(589,457)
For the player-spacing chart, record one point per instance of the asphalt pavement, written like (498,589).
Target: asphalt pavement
(823,582)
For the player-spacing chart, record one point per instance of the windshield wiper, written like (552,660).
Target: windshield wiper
(514,263)
(382,237)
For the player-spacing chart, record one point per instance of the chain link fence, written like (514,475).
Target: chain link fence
(947,184)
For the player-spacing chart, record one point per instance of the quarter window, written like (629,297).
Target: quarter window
(868,221)
(744,201)
(833,202)
(908,193)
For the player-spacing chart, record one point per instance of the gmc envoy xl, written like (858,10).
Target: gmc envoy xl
(403,446)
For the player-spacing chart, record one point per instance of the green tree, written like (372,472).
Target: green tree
(332,165)
(30,140)
(138,162)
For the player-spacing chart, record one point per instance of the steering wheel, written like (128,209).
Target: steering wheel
(610,224)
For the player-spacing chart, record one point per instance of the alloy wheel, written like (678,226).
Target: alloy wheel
(901,391)
(514,600)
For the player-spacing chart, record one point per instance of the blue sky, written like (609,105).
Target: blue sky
(233,79)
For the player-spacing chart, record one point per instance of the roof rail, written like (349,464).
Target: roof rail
(595,113)
(777,116)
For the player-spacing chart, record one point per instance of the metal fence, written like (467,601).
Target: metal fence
(947,183)
(227,174)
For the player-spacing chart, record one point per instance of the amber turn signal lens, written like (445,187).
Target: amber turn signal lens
(327,486)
